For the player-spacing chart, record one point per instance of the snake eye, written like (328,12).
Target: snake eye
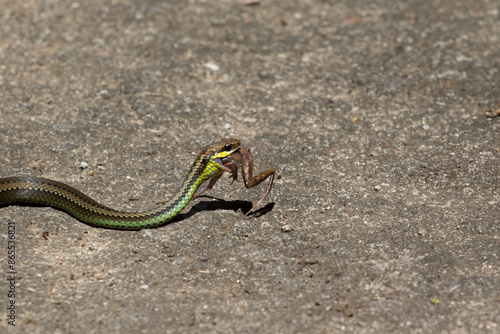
(228,147)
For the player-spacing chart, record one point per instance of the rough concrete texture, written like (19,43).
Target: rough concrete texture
(378,115)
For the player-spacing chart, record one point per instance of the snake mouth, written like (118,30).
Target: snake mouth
(221,164)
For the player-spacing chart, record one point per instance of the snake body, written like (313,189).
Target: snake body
(25,190)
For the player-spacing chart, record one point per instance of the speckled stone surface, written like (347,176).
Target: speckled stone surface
(386,217)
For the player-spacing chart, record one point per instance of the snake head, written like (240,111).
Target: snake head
(224,148)
(210,157)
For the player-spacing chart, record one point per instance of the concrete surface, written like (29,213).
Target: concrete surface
(378,116)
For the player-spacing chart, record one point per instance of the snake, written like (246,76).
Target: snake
(39,191)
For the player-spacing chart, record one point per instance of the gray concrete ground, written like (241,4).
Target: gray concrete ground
(378,115)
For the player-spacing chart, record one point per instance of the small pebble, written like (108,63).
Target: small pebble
(83,165)
(377,188)
(286,228)
(212,66)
